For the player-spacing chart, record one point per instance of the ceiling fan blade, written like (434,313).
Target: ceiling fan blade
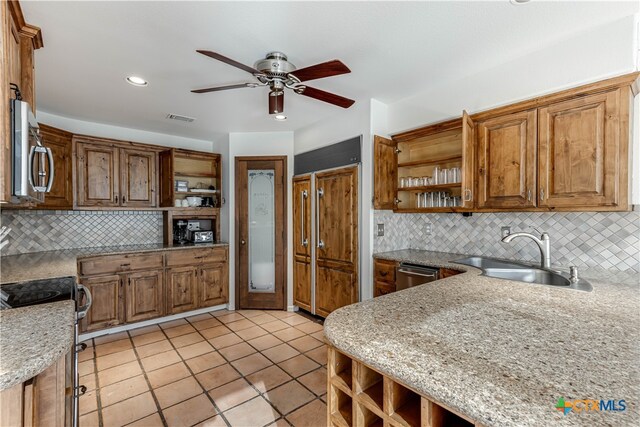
(229,61)
(319,71)
(215,89)
(331,98)
(276,102)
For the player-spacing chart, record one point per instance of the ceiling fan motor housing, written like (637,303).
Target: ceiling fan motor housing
(275,64)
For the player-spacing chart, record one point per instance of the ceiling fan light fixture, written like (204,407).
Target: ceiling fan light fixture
(276,102)
(280,117)
(137,81)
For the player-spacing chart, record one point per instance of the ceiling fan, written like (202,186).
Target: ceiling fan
(277,73)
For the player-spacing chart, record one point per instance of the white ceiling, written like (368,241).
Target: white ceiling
(394,49)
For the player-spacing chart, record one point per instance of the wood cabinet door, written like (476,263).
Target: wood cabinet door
(385,173)
(302,242)
(138,178)
(182,292)
(61,194)
(145,295)
(108,307)
(507,161)
(468,162)
(98,175)
(579,156)
(337,239)
(213,282)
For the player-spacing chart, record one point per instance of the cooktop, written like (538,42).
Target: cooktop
(21,294)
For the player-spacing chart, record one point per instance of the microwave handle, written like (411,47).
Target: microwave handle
(32,153)
(51,170)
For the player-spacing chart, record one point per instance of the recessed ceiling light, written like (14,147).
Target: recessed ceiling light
(137,81)
(280,117)
(517,2)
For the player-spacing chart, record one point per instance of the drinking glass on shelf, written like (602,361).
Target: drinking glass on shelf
(416,182)
(444,176)
(408,181)
(436,175)
(454,175)
(457,201)
(403,182)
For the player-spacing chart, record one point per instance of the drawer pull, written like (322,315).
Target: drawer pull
(384,273)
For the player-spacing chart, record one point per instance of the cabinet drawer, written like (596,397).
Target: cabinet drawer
(195,256)
(447,272)
(119,263)
(385,270)
(383,288)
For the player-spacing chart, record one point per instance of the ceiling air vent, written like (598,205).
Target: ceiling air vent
(180,118)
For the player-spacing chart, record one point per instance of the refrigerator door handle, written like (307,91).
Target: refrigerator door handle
(305,241)
(320,242)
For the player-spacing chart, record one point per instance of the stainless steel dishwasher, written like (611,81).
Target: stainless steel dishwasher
(409,275)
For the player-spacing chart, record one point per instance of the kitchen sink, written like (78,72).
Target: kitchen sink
(508,270)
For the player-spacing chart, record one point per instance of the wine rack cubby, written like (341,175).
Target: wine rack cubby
(359,396)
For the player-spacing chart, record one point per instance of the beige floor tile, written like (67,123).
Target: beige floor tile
(289,396)
(240,325)
(88,402)
(280,353)
(123,390)
(144,330)
(216,421)
(173,323)
(214,332)
(179,330)
(89,381)
(90,420)
(199,318)
(288,334)
(319,336)
(160,360)
(230,317)
(115,359)
(310,327)
(263,318)
(152,420)
(237,351)
(217,376)
(280,314)
(264,342)
(189,412)
(225,341)
(118,373)
(168,374)
(274,326)
(194,350)
(250,364)
(206,361)
(298,365)
(185,340)
(310,415)
(318,354)
(110,338)
(249,314)
(304,344)
(151,337)
(113,347)
(280,423)
(256,412)
(219,313)
(206,324)
(86,368)
(295,320)
(153,348)
(316,381)
(250,333)
(87,354)
(178,391)
(268,378)
(128,411)
(232,394)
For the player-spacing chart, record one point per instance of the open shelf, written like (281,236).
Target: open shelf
(366,418)
(430,162)
(196,174)
(436,187)
(342,407)
(341,371)
(402,404)
(437,416)
(369,387)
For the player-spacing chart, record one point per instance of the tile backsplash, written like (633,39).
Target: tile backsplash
(586,239)
(35,231)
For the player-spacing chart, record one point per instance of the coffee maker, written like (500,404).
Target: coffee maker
(180,232)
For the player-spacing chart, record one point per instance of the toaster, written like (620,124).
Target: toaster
(202,236)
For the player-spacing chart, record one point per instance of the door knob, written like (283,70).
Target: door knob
(242,242)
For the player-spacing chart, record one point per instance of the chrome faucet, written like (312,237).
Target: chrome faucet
(542,242)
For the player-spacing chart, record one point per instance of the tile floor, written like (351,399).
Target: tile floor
(246,368)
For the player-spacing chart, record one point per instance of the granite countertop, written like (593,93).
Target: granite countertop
(502,352)
(34,338)
(44,265)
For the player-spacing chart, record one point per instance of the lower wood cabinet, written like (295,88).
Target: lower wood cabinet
(384,273)
(130,288)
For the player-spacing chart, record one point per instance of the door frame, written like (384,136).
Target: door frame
(285,237)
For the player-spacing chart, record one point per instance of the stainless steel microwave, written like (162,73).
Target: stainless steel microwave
(32,167)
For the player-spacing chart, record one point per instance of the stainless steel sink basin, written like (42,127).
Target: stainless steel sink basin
(508,270)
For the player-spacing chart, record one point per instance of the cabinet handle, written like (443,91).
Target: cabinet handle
(116,197)
(320,242)
(542,194)
(529,195)
(468,195)
(124,199)
(396,201)
(305,241)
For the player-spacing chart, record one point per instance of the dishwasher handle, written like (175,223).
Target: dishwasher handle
(416,273)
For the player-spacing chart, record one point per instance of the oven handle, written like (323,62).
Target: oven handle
(415,273)
(82,312)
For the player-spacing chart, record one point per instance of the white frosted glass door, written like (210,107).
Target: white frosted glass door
(261,237)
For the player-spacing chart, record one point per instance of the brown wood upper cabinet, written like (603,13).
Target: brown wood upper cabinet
(385,175)
(111,176)
(61,194)
(507,161)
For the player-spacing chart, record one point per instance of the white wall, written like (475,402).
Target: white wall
(259,144)
(122,133)
(221,146)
